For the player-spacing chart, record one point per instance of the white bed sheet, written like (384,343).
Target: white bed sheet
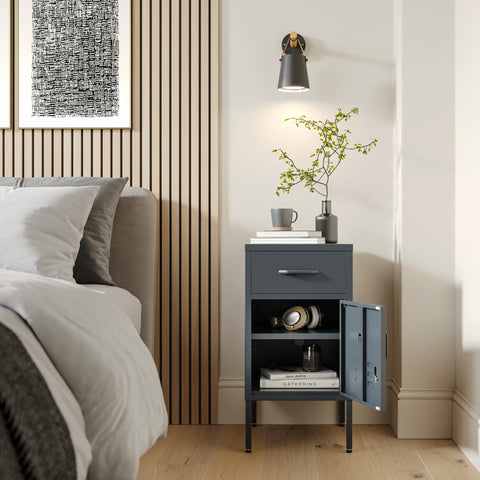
(128,303)
(95,349)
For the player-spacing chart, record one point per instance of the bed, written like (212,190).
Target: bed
(90,345)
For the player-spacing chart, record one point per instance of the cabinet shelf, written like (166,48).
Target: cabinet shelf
(268,333)
(296,394)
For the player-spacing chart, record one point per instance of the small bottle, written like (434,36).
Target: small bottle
(311,358)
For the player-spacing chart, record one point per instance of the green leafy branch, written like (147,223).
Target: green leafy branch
(333,149)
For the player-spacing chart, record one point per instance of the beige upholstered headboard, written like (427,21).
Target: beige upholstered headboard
(133,255)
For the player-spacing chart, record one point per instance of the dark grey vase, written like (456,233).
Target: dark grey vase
(327,222)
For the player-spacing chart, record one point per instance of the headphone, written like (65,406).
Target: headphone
(298,317)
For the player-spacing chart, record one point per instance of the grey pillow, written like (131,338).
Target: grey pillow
(9,181)
(93,261)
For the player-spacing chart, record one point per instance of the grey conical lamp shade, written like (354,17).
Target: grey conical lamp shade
(293,72)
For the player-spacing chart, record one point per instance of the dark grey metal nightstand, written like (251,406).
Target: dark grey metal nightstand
(352,335)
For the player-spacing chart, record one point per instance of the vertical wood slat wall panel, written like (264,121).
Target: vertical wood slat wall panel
(213,213)
(77,150)
(165,260)
(2,135)
(155,139)
(204,210)
(172,149)
(175,206)
(64,141)
(185,208)
(195,211)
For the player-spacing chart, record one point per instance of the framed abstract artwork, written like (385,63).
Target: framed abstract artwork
(5,64)
(74,65)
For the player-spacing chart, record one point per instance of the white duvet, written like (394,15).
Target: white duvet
(99,371)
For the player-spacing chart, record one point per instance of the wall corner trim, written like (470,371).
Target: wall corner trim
(466,407)
(466,428)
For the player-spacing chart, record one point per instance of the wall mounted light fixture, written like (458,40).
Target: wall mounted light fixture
(293,68)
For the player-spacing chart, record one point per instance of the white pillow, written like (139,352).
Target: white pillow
(41,228)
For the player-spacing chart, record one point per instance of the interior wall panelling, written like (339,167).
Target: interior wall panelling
(172,149)
(213,214)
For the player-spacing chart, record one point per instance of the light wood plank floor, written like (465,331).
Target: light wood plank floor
(300,452)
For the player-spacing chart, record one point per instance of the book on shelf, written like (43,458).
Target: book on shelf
(300,383)
(289,234)
(290,240)
(295,373)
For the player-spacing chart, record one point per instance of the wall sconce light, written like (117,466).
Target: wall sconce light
(293,68)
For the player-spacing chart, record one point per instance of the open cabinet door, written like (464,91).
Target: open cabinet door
(363,351)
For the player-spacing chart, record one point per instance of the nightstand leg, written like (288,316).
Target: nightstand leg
(341,416)
(349,426)
(248,426)
(254,413)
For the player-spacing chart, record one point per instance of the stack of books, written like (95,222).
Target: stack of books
(308,237)
(298,379)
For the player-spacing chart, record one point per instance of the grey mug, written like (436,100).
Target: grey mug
(283,217)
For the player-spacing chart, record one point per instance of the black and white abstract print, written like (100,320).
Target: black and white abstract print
(75,58)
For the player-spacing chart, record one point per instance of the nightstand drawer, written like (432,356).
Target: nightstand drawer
(299,272)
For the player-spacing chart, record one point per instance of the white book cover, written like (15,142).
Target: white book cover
(300,383)
(278,374)
(289,233)
(308,241)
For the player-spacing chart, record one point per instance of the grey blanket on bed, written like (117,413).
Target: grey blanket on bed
(34,439)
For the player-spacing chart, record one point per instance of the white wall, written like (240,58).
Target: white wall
(424,151)
(426,182)
(350,52)
(466,411)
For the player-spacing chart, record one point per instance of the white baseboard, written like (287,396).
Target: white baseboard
(421,412)
(466,428)
(231,399)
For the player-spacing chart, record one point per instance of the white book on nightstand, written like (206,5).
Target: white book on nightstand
(300,383)
(289,234)
(288,241)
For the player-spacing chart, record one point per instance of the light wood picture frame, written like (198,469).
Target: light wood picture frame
(5,63)
(74,64)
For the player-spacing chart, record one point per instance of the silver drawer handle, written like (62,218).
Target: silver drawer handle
(299,272)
